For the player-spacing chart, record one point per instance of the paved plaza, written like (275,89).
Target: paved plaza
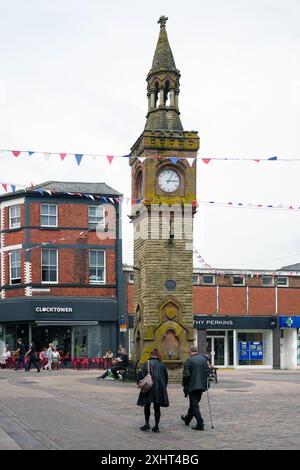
(72,410)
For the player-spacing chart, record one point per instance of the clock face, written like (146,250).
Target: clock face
(168,180)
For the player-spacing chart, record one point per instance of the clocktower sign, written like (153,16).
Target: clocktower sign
(163,169)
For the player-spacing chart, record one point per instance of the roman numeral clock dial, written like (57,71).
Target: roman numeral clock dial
(168,180)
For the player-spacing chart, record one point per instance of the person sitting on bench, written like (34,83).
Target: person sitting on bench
(119,363)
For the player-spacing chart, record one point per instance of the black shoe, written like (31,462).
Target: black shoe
(199,428)
(155,429)
(39,370)
(183,419)
(146,427)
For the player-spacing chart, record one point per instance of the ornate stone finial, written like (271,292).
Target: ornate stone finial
(162,20)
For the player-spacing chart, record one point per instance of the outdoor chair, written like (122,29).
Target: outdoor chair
(213,374)
(129,373)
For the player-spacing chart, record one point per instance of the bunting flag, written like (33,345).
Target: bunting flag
(47,156)
(110,158)
(63,156)
(13,188)
(174,160)
(15,153)
(142,159)
(78,157)
(191,161)
(206,160)
(5,187)
(30,153)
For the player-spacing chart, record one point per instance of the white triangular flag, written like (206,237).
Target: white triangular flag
(191,160)
(47,155)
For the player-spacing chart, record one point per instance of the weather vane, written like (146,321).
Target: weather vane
(162,20)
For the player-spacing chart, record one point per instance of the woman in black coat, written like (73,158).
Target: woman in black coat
(158,394)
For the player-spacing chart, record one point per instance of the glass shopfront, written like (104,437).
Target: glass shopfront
(219,344)
(13,331)
(298,347)
(70,340)
(236,341)
(59,335)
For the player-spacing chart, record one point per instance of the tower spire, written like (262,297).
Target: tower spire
(163,86)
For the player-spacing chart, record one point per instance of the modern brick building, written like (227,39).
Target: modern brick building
(61,267)
(245,318)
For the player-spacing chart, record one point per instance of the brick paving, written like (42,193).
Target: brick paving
(72,410)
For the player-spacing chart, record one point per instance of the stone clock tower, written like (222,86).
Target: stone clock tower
(163,169)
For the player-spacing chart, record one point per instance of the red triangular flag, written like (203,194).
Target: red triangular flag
(110,158)
(257,161)
(4,186)
(62,156)
(206,160)
(15,153)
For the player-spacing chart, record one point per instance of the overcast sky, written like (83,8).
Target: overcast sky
(72,79)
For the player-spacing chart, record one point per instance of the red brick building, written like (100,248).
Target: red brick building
(245,318)
(61,267)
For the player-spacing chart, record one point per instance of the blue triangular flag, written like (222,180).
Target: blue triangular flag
(30,153)
(13,188)
(41,192)
(104,198)
(126,156)
(272,158)
(78,157)
(174,160)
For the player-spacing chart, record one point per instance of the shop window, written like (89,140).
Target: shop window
(13,331)
(282,281)
(238,280)
(298,348)
(14,217)
(268,281)
(15,267)
(97,267)
(96,217)
(208,279)
(49,215)
(49,266)
(251,349)
(196,278)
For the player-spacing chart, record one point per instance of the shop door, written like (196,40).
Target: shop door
(216,344)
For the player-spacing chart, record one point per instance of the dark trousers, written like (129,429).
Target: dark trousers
(21,360)
(34,361)
(194,410)
(156,413)
(114,370)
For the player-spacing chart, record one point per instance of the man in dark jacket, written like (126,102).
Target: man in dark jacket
(194,383)
(21,358)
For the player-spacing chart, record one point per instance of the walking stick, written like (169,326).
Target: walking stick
(212,427)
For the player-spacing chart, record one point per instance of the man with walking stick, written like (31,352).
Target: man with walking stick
(194,382)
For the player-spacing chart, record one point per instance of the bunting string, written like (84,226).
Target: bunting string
(205,159)
(129,200)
